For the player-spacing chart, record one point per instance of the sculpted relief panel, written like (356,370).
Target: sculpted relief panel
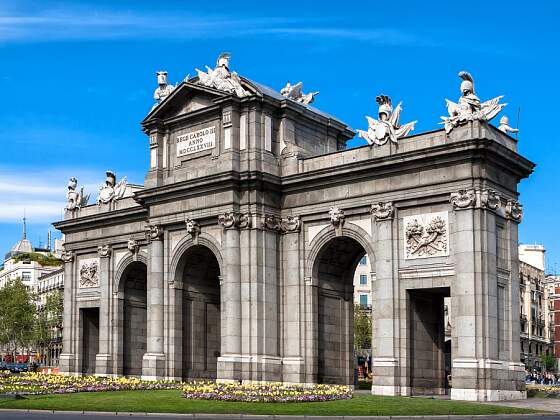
(89,273)
(426,235)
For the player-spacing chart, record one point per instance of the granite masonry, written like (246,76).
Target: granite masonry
(235,260)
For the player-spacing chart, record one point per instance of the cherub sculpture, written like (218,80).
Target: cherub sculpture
(504,126)
(164,89)
(111,190)
(387,127)
(469,107)
(295,93)
(76,200)
(222,78)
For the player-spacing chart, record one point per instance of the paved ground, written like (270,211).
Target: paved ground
(546,404)
(45,415)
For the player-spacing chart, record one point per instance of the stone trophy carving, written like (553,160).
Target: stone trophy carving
(153,232)
(192,226)
(514,210)
(111,190)
(469,107)
(387,127)
(164,89)
(104,251)
(133,246)
(490,199)
(382,211)
(463,199)
(234,220)
(222,78)
(295,93)
(75,200)
(89,274)
(504,126)
(426,238)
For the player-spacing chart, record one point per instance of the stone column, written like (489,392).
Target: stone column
(293,360)
(68,355)
(385,363)
(103,364)
(153,362)
(229,362)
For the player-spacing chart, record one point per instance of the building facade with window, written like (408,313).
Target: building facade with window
(363,287)
(48,285)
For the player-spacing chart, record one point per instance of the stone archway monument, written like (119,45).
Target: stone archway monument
(252,219)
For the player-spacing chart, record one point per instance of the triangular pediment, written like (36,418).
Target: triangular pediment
(186,97)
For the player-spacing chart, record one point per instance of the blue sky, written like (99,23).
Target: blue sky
(78,77)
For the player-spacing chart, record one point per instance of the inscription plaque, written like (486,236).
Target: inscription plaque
(196,141)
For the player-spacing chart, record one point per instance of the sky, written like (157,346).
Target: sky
(78,77)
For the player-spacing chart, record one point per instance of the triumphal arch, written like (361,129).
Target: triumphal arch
(235,260)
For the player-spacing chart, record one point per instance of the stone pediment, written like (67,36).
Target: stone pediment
(185,98)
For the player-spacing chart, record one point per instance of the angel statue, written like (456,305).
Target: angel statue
(387,127)
(111,190)
(469,107)
(222,78)
(295,93)
(76,200)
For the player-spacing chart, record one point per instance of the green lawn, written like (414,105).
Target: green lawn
(171,402)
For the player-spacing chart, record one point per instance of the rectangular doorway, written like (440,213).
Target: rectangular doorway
(90,338)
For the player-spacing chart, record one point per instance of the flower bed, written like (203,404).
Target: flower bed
(40,383)
(266,392)
(548,391)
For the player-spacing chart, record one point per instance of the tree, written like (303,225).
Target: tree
(362,328)
(548,361)
(48,321)
(17,316)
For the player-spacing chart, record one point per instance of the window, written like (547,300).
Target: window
(363,279)
(363,261)
(26,276)
(363,300)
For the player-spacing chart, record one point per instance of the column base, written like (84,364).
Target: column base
(67,364)
(386,379)
(153,366)
(293,370)
(486,394)
(103,364)
(241,368)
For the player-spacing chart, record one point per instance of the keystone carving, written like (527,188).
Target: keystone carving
(514,210)
(153,232)
(133,246)
(463,199)
(193,228)
(337,216)
(490,199)
(231,220)
(104,251)
(382,210)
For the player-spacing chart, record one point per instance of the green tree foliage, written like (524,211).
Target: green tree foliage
(548,361)
(362,328)
(17,316)
(48,319)
(45,260)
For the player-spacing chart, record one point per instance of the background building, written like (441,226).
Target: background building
(50,285)
(363,278)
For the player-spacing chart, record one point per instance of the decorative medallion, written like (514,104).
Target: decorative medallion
(426,235)
(89,273)
(382,210)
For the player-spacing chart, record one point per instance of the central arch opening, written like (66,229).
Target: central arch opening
(200,275)
(334,271)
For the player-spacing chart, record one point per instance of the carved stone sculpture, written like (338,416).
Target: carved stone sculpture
(382,210)
(272,223)
(104,251)
(490,199)
(67,256)
(291,224)
(153,232)
(504,126)
(75,200)
(426,238)
(89,273)
(295,93)
(222,78)
(514,210)
(463,199)
(133,246)
(337,216)
(164,89)
(387,127)
(111,190)
(192,226)
(469,107)
(234,220)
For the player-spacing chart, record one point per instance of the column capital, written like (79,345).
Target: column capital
(289,224)
(233,220)
(463,199)
(383,210)
(68,256)
(104,251)
(514,210)
(153,233)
